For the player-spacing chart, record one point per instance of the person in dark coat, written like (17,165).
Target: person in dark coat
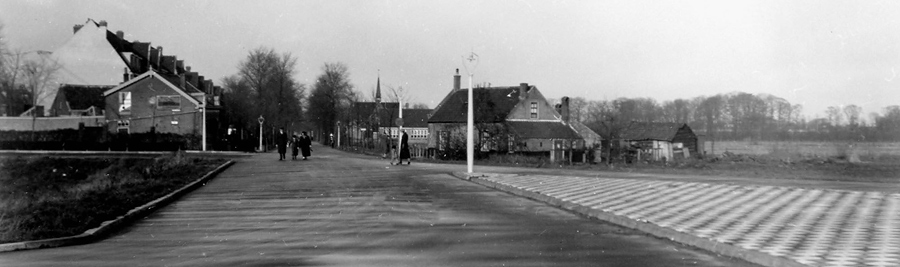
(404,148)
(305,143)
(295,146)
(281,140)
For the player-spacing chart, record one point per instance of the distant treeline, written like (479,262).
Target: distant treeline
(740,116)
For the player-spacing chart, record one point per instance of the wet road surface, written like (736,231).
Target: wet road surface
(340,209)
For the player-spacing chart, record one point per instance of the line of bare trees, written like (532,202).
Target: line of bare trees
(740,116)
(264,86)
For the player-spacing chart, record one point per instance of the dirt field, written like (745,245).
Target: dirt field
(873,150)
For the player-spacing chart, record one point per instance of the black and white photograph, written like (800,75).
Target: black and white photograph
(449,133)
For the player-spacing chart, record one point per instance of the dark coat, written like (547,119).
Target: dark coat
(404,147)
(295,146)
(305,143)
(281,140)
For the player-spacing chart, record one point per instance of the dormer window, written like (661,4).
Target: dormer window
(534,110)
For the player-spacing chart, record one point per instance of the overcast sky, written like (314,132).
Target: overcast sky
(814,53)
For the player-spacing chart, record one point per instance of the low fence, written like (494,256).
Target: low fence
(49,123)
(822,149)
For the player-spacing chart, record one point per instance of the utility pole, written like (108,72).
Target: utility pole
(470,120)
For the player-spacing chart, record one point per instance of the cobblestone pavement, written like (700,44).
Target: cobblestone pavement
(816,227)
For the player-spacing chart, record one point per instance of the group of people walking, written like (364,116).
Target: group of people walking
(298,144)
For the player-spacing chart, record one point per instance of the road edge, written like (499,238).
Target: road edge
(723,249)
(110,226)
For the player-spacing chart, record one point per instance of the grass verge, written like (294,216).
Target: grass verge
(46,197)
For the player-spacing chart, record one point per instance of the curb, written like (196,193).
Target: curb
(723,249)
(108,227)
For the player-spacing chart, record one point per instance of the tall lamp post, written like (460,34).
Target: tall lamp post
(261,120)
(471,60)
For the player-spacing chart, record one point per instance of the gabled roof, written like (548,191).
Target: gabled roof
(81,97)
(585,132)
(542,130)
(416,117)
(152,75)
(390,112)
(491,104)
(664,131)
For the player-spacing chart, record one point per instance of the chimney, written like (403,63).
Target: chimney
(120,34)
(125,75)
(102,23)
(77,27)
(565,109)
(456,81)
(523,88)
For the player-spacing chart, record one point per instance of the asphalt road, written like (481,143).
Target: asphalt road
(341,209)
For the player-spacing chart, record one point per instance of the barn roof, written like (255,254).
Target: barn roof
(491,104)
(542,130)
(664,131)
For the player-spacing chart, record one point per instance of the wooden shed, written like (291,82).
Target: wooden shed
(661,140)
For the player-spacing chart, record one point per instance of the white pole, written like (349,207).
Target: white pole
(260,136)
(399,127)
(204,125)
(470,143)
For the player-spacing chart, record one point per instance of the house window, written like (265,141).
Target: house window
(534,110)
(124,102)
(168,102)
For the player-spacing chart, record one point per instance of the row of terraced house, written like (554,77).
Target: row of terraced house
(126,86)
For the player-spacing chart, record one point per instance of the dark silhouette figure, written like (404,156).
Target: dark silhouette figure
(305,143)
(281,140)
(404,148)
(295,146)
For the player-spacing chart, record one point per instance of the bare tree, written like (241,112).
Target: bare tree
(331,97)
(38,75)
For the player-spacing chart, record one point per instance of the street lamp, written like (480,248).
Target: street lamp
(470,120)
(261,120)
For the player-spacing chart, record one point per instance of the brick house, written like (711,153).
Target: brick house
(155,102)
(507,119)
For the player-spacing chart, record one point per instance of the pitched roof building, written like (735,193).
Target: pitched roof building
(79,100)
(511,118)
(661,139)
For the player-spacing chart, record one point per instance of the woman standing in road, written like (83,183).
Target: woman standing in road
(281,140)
(404,148)
(305,143)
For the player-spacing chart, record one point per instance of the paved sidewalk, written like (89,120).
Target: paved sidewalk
(815,227)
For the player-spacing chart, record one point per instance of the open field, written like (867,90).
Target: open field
(47,197)
(873,150)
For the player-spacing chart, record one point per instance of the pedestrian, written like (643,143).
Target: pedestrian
(281,140)
(305,143)
(404,148)
(295,146)
(387,145)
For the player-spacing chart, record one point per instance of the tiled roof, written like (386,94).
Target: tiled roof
(411,117)
(542,130)
(491,104)
(84,96)
(651,131)
(416,117)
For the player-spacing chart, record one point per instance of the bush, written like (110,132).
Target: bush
(53,197)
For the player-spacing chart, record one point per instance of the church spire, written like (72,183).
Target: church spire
(378,88)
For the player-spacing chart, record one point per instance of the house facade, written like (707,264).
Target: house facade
(152,102)
(507,119)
